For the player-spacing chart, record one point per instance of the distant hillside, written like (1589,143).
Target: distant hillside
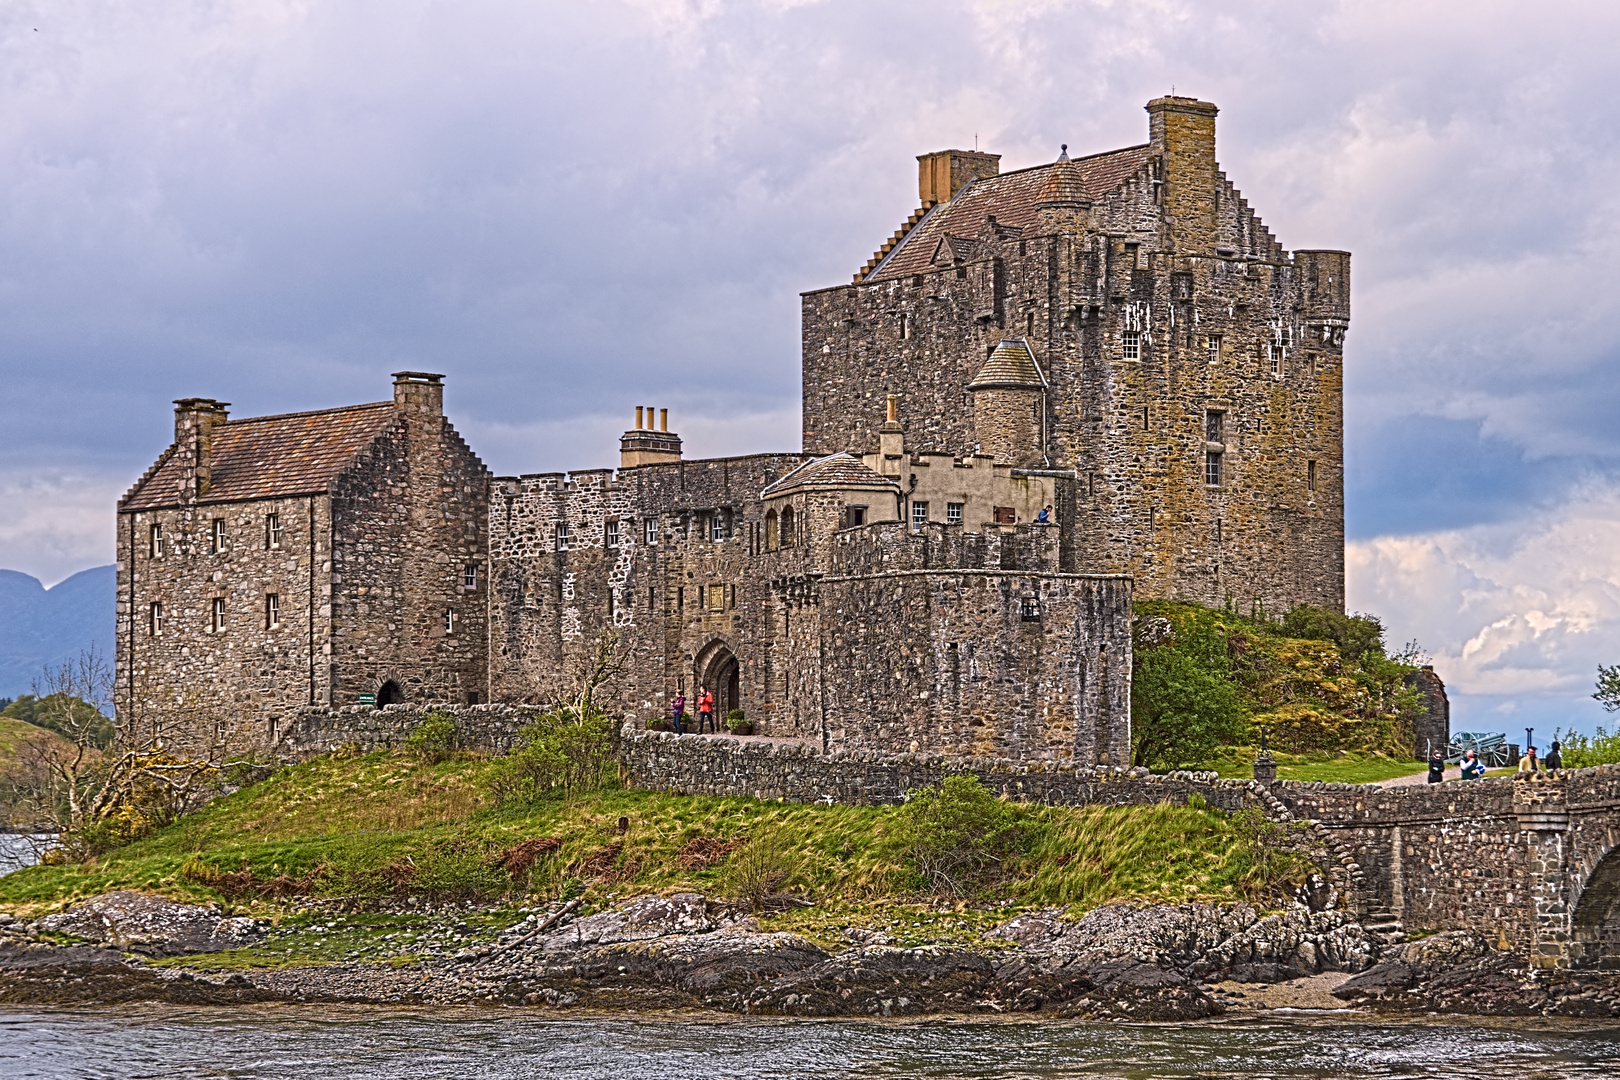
(40,626)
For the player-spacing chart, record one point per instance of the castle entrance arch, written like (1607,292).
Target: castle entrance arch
(719,673)
(389,693)
(1595,926)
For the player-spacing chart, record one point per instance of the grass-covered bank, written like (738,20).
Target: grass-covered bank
(393,833)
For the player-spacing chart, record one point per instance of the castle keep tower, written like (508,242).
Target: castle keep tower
(1183,388)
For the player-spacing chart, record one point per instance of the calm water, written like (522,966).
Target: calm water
(315,1042)
(18,850)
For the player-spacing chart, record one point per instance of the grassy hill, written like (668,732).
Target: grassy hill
(383,828)
(21,747)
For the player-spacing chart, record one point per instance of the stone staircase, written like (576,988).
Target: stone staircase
(1384,926)
(894,241)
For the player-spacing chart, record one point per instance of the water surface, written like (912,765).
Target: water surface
(396,1044)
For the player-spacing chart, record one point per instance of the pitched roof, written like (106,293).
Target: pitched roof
(833,472)
(269,457)
(1011,364)
(1013,198)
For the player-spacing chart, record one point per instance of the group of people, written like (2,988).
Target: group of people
(705,711)
(1474,769)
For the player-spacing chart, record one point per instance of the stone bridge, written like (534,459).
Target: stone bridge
(1530,863)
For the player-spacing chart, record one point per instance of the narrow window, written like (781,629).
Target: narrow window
(649,531)
(154,619)
(1029,325)
(919,515)
(717,527)
(216,536)
(1214,426)
(905,327)
(449,620)
(856,515)
(469,577)
(772,535)
(272,531)
(1214,348)
(1133,255)
(1131,344)
(953,513)
(1212,468)
(272,611)
(218,621)
(680,598)
(1274,354)
(154,542)
(789,537)
(562,536)
(1310,476)
(613,534)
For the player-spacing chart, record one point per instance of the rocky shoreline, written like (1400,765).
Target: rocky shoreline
(1164,962)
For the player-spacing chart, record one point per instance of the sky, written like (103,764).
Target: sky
(571,209)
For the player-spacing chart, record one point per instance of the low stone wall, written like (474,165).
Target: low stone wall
(701,765)
(319,731)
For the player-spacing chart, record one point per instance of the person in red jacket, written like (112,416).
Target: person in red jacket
(706,713)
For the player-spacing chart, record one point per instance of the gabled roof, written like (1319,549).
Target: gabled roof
(1013,198)
(270,457)
(1011,364)
(835,472)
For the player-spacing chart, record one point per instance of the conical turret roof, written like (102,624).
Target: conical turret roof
(1065,185)
(1010,365)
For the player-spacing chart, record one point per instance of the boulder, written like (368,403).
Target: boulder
(153,925)
(879,980)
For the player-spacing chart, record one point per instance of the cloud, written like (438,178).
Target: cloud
(56,523)
(1517,615)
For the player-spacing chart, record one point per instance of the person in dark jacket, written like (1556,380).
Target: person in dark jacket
(1437,767)
(677,709)
(1554,759)
(1472,767)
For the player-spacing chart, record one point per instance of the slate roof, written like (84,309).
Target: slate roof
(1013,198)
(833,472)
(271,457)
(1010,364)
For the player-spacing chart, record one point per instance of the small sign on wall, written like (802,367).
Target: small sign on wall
(368,699)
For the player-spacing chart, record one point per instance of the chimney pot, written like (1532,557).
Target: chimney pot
(663,419)
(638,417)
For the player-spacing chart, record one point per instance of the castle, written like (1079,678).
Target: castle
(1049,388)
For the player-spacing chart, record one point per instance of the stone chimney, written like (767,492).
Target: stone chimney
(419,392)
(644,446)
(892,439)
(942,174)
(1182,133)
(194,422)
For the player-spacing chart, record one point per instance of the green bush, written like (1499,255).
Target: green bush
(1579,751)
(958,836)
(1184,697)
(434,739)
(1359,637)
(758,869)
(73,718)
(560,753)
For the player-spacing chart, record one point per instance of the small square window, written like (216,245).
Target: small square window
(613,534)
(216,536)
(717,527)
(272,531)
(855,516)
(218,619)
(919,515)
(469,577)
(1131,344)
(562,536)
(1212,468)
(953,513)
(272,611)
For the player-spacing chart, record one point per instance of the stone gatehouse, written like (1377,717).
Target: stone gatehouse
(1052,387)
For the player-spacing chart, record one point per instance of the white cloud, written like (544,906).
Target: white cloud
(57,523)
(1517,616)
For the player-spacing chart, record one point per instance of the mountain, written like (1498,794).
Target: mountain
(40,626)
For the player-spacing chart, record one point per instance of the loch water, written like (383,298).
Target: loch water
(362,1043)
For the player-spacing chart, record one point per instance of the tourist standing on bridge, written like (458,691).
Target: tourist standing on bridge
(1437,767)
(1555,757)
(1472,767)
(1528,763)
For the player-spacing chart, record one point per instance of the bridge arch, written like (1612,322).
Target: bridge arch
(1595,923)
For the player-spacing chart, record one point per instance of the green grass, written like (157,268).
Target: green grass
(1349,767)
(340,824)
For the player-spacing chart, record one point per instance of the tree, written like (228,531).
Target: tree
(1608,687)
(1184,701)
(571,746)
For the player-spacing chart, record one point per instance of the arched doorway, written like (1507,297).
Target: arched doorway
(1595,926)
(389,693)
(719,673)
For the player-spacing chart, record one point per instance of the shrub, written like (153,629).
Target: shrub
(1184,698)
(1579,751)
(1359,637)
(434,739)
(958,835)
(560,753)
(735,716)
(758,869)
